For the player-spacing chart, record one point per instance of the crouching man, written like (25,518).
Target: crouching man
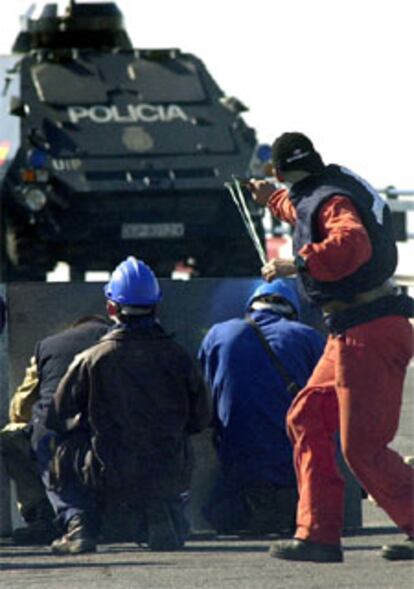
(123,414)
(253,366)
(27,412)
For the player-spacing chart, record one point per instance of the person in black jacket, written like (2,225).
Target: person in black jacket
(123,415)
(20,437)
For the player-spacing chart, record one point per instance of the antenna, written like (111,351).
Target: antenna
(30,10)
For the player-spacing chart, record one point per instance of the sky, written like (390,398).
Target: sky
(338,70)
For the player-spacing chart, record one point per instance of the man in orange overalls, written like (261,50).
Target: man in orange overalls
(345,256)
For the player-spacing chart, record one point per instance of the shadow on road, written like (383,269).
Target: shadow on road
(36,566)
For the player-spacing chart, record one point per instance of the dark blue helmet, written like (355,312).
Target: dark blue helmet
(133,283)
(285,289)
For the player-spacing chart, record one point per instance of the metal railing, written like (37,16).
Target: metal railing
(405,280)
(398,205)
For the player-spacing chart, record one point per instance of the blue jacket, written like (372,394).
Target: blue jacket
(250,399)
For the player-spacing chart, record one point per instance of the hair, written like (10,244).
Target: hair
(135,310)
(278,304)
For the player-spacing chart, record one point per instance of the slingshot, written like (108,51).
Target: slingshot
(236,192)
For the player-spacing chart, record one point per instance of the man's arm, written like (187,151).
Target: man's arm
(70,402)
(25,396)
(277,200)
(279,204)
(207,359)
(345,244)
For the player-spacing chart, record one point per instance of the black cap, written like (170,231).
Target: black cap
(295,151)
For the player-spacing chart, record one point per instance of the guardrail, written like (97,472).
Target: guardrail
(398,205)
(405,280)
(392,192)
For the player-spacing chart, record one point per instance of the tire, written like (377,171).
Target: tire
(24,257)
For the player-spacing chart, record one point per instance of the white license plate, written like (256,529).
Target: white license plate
(152,230)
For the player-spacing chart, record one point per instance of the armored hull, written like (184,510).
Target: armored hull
(110,151)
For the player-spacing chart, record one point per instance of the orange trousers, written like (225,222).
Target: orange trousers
(356,388)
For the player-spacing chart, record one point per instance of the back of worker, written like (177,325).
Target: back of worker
(143,398)
(122,415)
(250,396)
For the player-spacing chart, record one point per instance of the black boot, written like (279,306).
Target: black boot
(399,550)
(272,509)
(304,550)
(77,540)
(39,532)
(40,527)
(162,534)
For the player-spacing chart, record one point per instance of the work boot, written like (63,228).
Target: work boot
(399,550)
(40,527)
(161,530)
(272,509)
(77,540)
(304,550)
(38,532)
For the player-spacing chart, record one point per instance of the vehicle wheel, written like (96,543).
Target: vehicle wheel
(25,258)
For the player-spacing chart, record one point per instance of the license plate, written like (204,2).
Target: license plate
(152,230)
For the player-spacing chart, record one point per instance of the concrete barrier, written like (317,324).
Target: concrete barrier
(189,308)
(5,512)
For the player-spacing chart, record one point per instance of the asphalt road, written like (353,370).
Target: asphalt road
(211,563)
(218,563)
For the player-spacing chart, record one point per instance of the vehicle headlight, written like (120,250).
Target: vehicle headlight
(34,199)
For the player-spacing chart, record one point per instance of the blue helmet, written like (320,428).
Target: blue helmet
(285,289)
(133,283)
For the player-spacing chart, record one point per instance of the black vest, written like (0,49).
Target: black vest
(308,196)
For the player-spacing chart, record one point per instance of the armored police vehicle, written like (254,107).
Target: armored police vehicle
(107,150)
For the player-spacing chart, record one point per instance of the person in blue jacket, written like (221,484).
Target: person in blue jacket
(255,490)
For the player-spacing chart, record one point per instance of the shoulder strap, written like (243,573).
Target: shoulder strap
(292,386)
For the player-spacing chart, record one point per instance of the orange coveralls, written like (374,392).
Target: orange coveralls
(356,387)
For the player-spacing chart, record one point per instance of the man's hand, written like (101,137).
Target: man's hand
(278,268)
(261,190)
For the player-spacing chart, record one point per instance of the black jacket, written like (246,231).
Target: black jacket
(53,355)
(134,398)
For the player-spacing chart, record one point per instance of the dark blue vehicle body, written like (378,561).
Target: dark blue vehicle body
(107,150)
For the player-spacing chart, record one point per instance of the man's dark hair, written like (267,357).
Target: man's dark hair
(295,151)
(281,305)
